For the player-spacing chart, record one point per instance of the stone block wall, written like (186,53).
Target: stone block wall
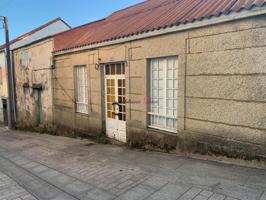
(226,89)
(67,120)
(221,89)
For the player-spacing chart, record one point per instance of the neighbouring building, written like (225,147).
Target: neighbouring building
(32,60)
(3,88)
(168,74)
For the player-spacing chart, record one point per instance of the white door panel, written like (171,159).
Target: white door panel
(115,101)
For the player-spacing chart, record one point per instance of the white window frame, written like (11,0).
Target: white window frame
(162,111)
(24,57)
(81,89)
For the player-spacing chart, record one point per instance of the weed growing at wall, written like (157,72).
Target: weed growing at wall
(102,139)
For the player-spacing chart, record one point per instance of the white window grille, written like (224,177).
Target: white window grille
(25,58)
(81,89)
(163,94)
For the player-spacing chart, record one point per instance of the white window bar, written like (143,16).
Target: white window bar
(163,94)
(81,90)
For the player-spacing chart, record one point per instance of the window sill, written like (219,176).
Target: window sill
(83,114)
(162,131)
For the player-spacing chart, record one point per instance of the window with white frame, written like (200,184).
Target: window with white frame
(24,58)
(81,89)
(163,85)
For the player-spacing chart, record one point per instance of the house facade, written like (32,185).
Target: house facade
(33,65)
(193,80)
(32,60)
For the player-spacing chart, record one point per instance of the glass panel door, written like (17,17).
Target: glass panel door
(115,86)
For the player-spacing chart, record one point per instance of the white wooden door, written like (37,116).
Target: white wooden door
(115,101)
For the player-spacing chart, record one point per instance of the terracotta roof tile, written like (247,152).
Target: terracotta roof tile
(149,15)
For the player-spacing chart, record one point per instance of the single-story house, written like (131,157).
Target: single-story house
(186,74)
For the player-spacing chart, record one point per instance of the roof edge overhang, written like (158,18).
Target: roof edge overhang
(48,38)
(21,37)
(178,28)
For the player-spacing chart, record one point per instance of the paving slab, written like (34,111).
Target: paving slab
(46,175)
(170,192)
(201,197)
(39,188)
(77,188)
(190,194)
(155,182)
(217,197)
(61,180)
(10,190)
(97,194)
(263,197)
(46,167)
(139,192)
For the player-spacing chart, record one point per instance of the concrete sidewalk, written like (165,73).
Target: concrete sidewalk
(47,167)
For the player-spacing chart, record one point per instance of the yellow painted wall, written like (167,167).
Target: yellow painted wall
(3,83)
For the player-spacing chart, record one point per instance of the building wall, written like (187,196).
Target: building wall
(52,29)
(65,116)
(3,83)
(3,80)
(226,88)
(38,71)
(221,89)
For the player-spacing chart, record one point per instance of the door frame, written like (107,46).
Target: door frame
(116,77)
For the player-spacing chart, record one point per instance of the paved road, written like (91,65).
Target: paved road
(44,167)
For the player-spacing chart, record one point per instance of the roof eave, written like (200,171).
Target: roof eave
(48,38)
(182,27)
(21,37)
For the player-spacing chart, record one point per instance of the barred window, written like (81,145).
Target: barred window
(163,94)
(81,89)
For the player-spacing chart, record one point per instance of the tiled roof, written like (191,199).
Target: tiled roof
(33,31)
(147,16)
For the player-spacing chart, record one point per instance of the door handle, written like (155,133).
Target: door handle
(113,104)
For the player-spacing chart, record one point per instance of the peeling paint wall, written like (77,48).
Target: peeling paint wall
(3,83)
(221,89)
(39,71)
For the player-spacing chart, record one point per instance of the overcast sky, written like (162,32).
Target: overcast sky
(25,15)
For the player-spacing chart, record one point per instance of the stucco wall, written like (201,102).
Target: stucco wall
(3,83)
(221,89)
(38,72)
(3,75)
